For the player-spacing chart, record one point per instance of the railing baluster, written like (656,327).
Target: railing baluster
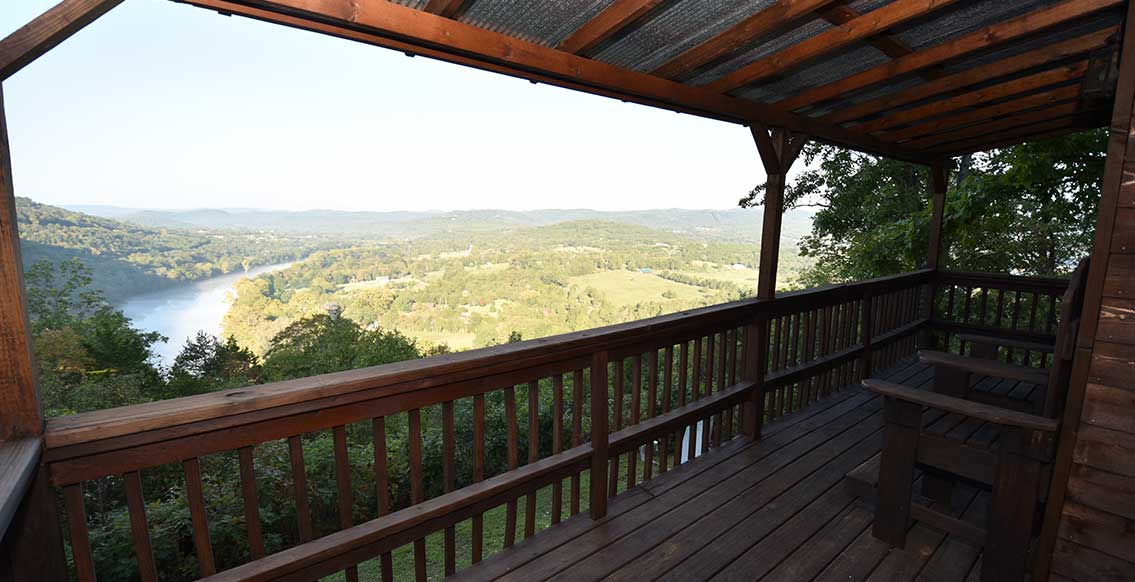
(251,503)
(636,412)
(201,541)
(416,493)
(382,484)
(299,481)
(667,388)
(636,381)
(717,418)
(343,484)
(683,369)
(652,389)
(533,453)
(139,529)
(79,534)
(513,462)
(617,420)
(695,381)
(576,432)
(449,479)
(478,526)
(598,434)
(557,444)
(710,348)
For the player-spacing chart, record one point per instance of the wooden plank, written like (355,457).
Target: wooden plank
(599,415)
(299,483)
(985,412)
(449,8)
(202,543)
(139,530)
(576,432)
(779,14)
(557,444)
(533,453)
(1117,321)
(1102,490)
(983,38)
(951,138)
(951,122)
(615,17)
(251,503)
(79,533)
(513,461)
(20,412)
(18,460)
(1106,449)
(47,31)
(449,479)
(872,23)
(478,524)
(382,483)
(343,489)
(417,493)
(1085,564)
(32,550)
(1103,531)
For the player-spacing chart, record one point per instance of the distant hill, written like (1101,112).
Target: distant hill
(127,259)
(726,225)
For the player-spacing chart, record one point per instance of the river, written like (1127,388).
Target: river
(180,312)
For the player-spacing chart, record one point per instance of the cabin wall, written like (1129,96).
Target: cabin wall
(1091,524)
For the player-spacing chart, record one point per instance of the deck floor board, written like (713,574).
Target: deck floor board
(773,510)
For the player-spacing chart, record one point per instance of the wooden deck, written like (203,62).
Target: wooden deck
(777,509)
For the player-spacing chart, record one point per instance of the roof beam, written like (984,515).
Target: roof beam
(1033,132)
(773,18)
(607,23)
(448,8)
(983,38)
(35,38)
(387,24)
(1035,58)
(865,26)
(977,98)
(957,120)
(1062,111)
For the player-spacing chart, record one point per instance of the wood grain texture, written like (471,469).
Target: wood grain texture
(59,23)
(613,18)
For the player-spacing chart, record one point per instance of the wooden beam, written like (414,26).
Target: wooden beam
(774,18)
(979,97)
(937,141)
(984,38)
(384,23)
(35,38)
(449,8)
(611,20)
(840,13)
(939,172)
(1034,132)
(951,122)
(1039,57)
(20,413)
(865,26)
(778,150)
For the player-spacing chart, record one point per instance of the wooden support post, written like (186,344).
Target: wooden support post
(939,175)
(1010,522)
(599,457)
(20,413)
(753,407)
(896,470)
(866,316)
(778,151)
(32,548)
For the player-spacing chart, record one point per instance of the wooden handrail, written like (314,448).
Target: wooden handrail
(159,420)
(969,408)
(1002,281)
(18,459)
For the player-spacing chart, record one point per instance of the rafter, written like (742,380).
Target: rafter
(449,8)
(865,26)
(1028,133)
(611,20)
(35,38)
(983,38)
(939,140)
(957,120)
(384,23)
(979,97)
(781,14)
(970,77)
(840,13)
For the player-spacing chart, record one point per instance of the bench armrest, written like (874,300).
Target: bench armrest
(1019,344)
(985,412)
(985,367)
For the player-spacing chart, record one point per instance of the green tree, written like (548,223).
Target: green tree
(329,342)
(206,364)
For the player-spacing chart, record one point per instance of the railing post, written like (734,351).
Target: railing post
(866,313)
(939,175)
(599,457)
(753,407)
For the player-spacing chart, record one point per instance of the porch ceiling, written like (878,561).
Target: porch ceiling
(912,79)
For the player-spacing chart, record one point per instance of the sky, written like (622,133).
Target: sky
(164,105)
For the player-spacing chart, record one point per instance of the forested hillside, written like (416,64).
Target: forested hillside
(468,290)
(126,259)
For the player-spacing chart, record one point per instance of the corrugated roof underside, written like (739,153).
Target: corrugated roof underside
(415,4)
(546,22)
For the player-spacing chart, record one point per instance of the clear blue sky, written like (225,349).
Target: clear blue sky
(164,105)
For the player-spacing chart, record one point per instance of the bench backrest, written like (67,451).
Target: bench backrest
(1071,308)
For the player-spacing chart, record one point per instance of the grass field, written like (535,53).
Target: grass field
(744,278)
(455,340)
(631,287)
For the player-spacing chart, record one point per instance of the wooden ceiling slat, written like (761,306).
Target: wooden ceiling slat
(983,38)
(1035,58)
(780,14)
(35,38)
(867,25)
(611,20)
(979,97)
(1062,111)
(951,122)
(448,8)
(386,23)
(840,13)
(1033,132)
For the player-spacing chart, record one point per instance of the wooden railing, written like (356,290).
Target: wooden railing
(1002,306)
(607,408)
